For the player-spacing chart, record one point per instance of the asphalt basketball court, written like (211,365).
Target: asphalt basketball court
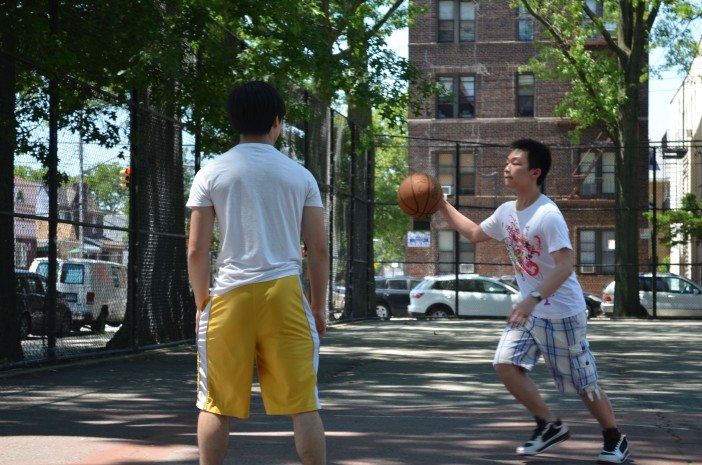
(398,392)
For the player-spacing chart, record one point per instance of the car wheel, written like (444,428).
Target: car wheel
(98,326)
(64,328)
(382,311)
(439,312)
(25,326)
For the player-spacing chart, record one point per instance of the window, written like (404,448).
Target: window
(21,254)
(446,251)
(597,7)
(525,95)
(466,177)
(458,97)
(451,12)
(72,273)
(596,250)
(421,225)
(680,286)
(525,29)
(397,284)
(600,180)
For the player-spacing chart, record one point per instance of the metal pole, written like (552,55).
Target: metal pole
(654,241)
(456,237)
(350,225)
(133,270)
(196,116)
(330,204)
(81,237)
(53,193)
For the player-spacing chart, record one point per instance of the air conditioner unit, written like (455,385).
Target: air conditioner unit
(589,269)
(446,190)
(466,268)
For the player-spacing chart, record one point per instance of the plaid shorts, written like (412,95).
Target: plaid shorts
(562,342)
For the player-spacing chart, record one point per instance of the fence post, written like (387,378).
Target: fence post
(330,203)
(456,237)
(53,193)
(351,227)
(133,270)
(654,241)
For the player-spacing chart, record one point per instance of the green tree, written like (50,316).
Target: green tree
(678,227)
(103,182)
(606,92)
(391,224)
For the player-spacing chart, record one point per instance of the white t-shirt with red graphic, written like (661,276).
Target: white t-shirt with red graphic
(531,235)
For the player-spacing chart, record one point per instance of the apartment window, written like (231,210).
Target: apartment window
(466,250)
(600,180)
(456,16)
(525,95)
(458,97)
(466,172)
(597,7)
(525,28)
(596,250)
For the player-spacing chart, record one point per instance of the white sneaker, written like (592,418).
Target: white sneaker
(545,438)
(614,452)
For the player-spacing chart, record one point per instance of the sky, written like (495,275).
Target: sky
(661,89)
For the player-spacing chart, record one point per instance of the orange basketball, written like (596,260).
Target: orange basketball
(419,195)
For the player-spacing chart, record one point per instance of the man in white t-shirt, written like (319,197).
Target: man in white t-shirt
(551,318)
(256,311)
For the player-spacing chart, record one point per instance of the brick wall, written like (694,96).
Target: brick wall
(494,59)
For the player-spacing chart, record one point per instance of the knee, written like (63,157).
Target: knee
(505,370)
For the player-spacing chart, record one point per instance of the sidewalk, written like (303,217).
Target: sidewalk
(398,392)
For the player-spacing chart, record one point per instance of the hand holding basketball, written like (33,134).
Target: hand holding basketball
(419,195)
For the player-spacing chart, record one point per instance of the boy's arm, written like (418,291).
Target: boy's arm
(563,260)
(462,224)
(315,236)
(201,226)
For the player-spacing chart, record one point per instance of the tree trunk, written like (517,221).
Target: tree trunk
(10,344)
(628,214)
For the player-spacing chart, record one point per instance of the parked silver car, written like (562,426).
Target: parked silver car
(676,297)
(435,297)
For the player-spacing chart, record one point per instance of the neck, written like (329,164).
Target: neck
(256,139)
(526,198)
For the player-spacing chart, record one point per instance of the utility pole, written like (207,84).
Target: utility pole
(80,195)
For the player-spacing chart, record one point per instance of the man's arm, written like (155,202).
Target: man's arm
(201,225)
(315,236)
(563,259)
(463,225)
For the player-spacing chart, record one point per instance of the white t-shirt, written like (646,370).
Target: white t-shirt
(258,195)
(531,235)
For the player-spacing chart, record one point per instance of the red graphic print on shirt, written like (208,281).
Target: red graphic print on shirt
(521,250)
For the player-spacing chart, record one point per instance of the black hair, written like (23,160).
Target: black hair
(538,154)
(253,107)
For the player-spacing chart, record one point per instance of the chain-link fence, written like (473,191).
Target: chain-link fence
(583,184)
(94,225)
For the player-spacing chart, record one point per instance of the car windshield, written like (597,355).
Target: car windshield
(43,269)
(72,273)
(424,285)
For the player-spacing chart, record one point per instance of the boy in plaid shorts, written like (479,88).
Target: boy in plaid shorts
(551,319)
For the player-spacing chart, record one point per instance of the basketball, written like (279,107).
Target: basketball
(419,195)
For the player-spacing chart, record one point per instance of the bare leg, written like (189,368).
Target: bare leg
(520,385)
(601,409)
(212,437)
(309,438)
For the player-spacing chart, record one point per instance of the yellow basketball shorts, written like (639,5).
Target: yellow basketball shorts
(271,325)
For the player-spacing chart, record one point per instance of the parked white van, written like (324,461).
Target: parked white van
(95,291)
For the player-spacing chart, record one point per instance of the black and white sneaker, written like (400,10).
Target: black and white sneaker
(544,438)
(614,451)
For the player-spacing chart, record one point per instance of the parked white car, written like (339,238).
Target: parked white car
(435,297)
(676,297)
(95,291)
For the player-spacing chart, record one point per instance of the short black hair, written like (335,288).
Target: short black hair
(538,154)
(253,106)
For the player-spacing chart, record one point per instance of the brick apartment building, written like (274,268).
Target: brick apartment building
(474,49)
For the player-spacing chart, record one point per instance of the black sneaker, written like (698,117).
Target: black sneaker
(614,451)
(544,438)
